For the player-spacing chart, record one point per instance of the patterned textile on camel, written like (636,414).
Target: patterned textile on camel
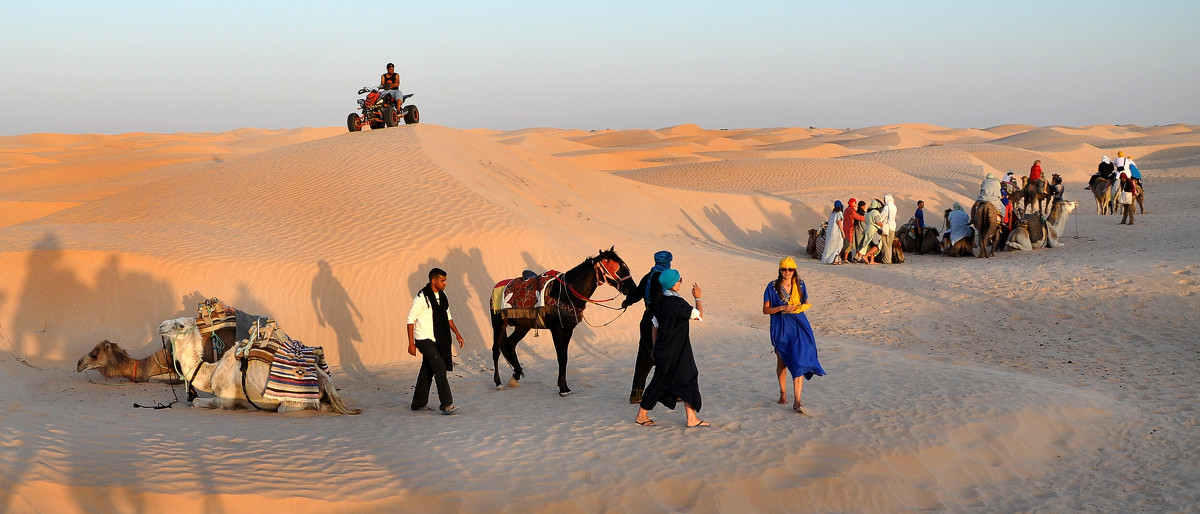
(293,375)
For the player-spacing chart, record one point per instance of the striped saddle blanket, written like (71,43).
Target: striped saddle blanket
(520,297)
(293,375)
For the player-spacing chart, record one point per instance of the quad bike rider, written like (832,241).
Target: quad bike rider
(384,105)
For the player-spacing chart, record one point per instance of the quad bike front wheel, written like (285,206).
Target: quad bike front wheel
(390,117)
(411,115)
(354,122)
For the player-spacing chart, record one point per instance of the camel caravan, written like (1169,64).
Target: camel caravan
(242,360)
(1005,216)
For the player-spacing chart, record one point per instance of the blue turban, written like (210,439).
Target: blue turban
(662,258)
(668,279)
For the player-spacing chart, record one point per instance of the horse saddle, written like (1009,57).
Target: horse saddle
(524,294)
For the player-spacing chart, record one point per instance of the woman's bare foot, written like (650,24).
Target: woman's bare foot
(799,408)
(782,399)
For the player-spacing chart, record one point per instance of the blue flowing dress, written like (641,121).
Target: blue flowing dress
(792,337)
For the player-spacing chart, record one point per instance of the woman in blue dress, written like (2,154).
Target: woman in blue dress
(785,300)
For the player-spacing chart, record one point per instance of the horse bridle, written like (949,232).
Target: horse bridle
(603,273)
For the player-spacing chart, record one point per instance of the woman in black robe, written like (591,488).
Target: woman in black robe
(675,374)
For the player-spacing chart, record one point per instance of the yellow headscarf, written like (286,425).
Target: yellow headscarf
(790,263)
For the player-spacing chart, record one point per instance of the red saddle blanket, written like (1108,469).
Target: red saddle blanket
(522,293)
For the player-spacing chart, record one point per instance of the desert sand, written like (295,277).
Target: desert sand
(1060,379)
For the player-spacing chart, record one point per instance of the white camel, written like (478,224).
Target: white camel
(224,378)
(1044,232)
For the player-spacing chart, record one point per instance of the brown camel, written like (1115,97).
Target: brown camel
(920,244)
(1140,197)
(1102,190)
(986,220)
(112,361)
(1030,194)
(811,247)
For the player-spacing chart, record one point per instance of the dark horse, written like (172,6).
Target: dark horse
(565,298)
(986,220)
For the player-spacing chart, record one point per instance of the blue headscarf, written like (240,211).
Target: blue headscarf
(837,204)
(668,279)
(662,261)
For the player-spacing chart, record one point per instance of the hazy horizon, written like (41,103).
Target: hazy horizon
(216,66)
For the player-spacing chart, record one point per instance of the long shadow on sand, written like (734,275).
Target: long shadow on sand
(334,307)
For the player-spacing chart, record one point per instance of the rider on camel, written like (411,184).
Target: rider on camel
(1035,176)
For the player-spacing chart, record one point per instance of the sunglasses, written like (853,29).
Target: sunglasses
(781,270)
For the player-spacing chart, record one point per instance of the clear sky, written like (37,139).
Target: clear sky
(189,66)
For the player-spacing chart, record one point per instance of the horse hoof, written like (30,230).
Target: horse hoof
(512,382)
(564,394)
(499,388)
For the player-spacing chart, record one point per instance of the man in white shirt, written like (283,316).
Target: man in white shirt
(429,327)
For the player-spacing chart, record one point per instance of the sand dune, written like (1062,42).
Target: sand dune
(1055,380)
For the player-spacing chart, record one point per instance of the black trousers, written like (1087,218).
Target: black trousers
(432,368)
(645,355)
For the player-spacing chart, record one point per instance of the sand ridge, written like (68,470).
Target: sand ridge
(1024,382)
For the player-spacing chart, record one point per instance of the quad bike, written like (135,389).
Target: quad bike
(381,109)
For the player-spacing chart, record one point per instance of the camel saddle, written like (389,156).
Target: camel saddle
(293,375)
(976,209)
(1041,186)
(520,298)
(213,315)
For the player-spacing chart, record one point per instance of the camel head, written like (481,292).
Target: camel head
(185,339)
(104,354)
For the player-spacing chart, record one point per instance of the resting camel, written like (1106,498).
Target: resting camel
(225,378)
(928,242)
(1019,238)
(112,361)
(1054,225)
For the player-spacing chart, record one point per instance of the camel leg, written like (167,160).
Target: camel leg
(562,339)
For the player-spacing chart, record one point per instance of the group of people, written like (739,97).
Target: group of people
(857,232)
(664,340)
(1125,182)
